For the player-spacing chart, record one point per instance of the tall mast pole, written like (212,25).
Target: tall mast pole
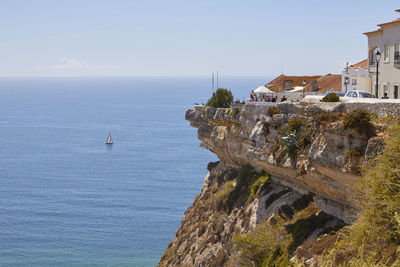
(217,80)
(212,81)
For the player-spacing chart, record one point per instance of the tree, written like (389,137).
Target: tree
(222,98)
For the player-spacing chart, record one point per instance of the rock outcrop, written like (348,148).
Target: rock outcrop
(326,168)
(205,235)
(310,160)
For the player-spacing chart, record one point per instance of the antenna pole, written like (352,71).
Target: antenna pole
(217,80)
(212,81)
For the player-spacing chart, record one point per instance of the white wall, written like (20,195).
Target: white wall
(388,74)
(362,77)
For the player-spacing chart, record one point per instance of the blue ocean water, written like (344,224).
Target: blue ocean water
(67,199)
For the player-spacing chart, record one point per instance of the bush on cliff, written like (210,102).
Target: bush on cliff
(272,110)
(222,98)
(294,136)
(361,120)
(273,244)
(238,191)
(332,97)
(375,239)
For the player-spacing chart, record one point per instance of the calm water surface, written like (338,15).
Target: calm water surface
(66,199)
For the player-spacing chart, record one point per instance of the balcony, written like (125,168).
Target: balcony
(397,60)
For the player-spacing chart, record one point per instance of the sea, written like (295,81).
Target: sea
(67,199)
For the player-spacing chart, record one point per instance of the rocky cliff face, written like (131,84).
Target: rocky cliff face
(205,236)
(272,167)
(326,167)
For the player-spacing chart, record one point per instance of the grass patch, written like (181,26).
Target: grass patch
(360,120)
(272,110)
(265,129)
(257,185)
(374,240)
(222,197)
(273,244)
(294,136)
(326,116)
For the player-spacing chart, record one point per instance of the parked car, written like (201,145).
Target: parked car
(359,94)
(339,94)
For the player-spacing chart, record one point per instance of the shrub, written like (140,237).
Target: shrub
(295,124)
(375,238)
(273,243)
(259,183)
(327,116)
(236,112)
(265,129)
(294,136)
(291,143)
(222,98)
(222,197)
(272,110)
(262,247)
(361,120)
(332,97)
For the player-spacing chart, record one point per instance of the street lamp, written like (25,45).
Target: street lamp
(377,59)
(346,82)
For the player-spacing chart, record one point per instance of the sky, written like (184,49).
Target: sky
(58,38)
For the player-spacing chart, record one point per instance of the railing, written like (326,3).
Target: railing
(397,60)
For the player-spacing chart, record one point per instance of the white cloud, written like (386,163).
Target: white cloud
(74,64)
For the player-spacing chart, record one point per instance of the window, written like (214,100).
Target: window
(386,52)
(365,95)
(354,82)
(385,91)
(397,54)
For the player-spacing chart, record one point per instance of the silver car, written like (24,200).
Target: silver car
(359,94)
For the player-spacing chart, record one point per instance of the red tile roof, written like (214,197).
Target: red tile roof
(361,64)
(278,84)
(329,82)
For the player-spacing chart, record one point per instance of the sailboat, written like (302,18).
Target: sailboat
(109,140)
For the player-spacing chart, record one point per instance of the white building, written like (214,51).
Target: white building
(386,40)
(356,77)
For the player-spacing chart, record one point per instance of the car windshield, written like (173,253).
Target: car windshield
(365,95)
(349,93)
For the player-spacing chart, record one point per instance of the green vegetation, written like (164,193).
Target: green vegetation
(272,110)
(262,247)
(327,116)
(265,129)
(254,190)
(294,136)
(374,240)
(332,97)
(237,192)
(361,120)
(274,244)
(295,124)
(222,98)
(223,196)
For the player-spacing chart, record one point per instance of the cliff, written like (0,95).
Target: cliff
(326,166)
(293,164)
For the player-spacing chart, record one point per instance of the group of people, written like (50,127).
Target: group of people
(266,98)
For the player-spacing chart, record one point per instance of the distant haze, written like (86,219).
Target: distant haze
(185,38)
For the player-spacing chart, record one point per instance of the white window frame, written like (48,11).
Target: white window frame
(386,53)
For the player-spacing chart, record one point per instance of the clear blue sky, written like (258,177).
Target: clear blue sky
(191,38)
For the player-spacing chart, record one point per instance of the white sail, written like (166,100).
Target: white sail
(109,140)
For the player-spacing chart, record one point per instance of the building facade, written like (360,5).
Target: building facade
(386,40)
(356,77)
